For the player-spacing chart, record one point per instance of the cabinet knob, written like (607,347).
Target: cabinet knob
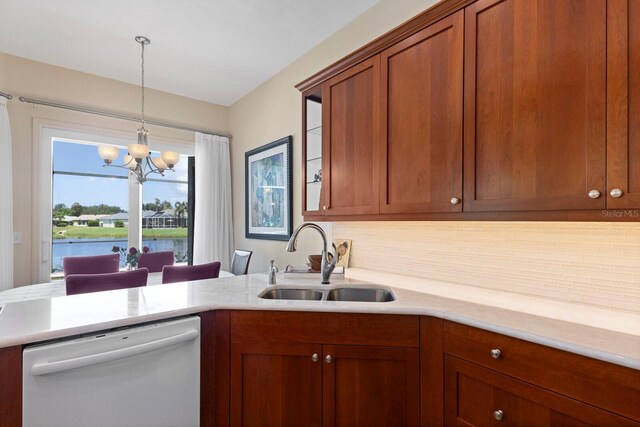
(496,353)
(616,192)
(324,208)
(455,200)
(328,358)
(594,194)
(498,414)
(315,357)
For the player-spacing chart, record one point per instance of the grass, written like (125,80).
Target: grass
(115,233)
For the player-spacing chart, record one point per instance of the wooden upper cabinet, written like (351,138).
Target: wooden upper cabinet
(351,140)
(421,154)
(535,105)
(623,91)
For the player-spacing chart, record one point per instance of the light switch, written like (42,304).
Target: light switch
(17,237)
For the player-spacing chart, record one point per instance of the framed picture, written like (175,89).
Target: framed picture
(343,248)
(268,189)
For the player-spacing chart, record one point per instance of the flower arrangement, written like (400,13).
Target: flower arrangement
(131,256)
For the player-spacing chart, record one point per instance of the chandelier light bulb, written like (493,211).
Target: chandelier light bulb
(170,158)
(108,153)
(138,151)
(159,163)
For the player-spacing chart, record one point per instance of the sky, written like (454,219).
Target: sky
(88,191)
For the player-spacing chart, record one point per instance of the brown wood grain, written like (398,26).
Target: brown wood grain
(214,368)
(623,103)
(605,385)
(275,384)
(535,105)
(371,386)
(330,328)
(351,140)
(421,155)
(11,386)
(431,372)
(602,215)
(473,393)
(408,28)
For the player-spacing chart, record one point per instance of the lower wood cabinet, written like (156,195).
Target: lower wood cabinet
(11,386)
(476,396)
(493,379)
(296,376)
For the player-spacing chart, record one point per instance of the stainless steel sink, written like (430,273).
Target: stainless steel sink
(297,294)
(360,295)
(343,294)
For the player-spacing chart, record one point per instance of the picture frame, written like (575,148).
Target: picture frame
(268,191)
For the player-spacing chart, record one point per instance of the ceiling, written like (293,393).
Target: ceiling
(212,50)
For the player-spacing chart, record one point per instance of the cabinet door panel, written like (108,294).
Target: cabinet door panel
(473,395)
(623,93)
(371,386)
(275,385)
(351,134)
(421,154)
(535,104)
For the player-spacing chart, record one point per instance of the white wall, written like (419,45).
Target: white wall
(274,110)
(23,77)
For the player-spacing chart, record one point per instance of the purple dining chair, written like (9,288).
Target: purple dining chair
(85,283)
(154,261)
(184,273)
(90,264)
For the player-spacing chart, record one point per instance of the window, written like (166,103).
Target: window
(89,209)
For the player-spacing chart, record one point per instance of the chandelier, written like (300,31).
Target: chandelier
(138,159)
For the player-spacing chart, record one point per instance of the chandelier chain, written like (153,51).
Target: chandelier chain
(142,85)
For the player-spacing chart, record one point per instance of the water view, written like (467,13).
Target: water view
(102,246)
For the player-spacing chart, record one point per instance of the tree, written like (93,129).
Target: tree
(60,211)
(76,209)
(181,208)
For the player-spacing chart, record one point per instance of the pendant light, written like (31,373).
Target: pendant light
(138,159)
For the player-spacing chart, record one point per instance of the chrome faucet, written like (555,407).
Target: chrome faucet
(326,265)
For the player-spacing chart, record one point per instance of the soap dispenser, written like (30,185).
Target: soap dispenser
(272,273)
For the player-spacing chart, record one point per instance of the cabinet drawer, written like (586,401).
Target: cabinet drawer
(475,396)
(608,386)
(333,328)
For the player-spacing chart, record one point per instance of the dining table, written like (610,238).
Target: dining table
(57,288)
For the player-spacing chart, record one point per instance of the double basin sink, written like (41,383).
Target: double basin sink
(352,294)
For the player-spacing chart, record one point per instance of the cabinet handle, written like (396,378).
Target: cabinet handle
(594,194)
(324,208)
(496,353)
(498,414)
(616,192)
(315,357)
(455,200)
(328,359)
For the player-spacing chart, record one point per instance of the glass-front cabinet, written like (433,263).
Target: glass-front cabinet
(312,152)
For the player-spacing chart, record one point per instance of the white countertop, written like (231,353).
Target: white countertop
(601,334)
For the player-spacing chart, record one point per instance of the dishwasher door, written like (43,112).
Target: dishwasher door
(140,376)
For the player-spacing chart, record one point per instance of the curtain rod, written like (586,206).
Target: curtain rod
(6,95)
(114,115)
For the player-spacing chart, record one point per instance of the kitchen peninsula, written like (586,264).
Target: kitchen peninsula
(427,344)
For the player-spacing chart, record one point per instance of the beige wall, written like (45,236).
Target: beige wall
(23,77)
(274,110)
(585,263)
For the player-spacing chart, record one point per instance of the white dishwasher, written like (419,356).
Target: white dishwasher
(140,376)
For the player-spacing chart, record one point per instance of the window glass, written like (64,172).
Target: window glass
(89,205)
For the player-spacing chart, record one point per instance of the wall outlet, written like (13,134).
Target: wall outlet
(17,237)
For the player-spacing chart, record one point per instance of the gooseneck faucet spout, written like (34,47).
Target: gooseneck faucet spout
(326,265)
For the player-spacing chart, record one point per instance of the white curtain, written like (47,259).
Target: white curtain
(213,228)
(6,201)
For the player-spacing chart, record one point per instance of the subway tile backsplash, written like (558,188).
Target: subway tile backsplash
(595,264)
